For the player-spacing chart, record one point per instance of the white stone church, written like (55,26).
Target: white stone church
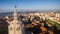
(16,26)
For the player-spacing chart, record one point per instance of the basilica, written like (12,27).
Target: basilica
(15,26)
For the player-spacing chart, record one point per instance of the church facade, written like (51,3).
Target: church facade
(16,26)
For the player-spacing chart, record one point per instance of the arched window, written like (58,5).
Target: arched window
(10,28)
(12,23)
(17,23)
(18,28)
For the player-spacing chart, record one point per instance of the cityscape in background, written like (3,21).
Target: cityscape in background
(30,17)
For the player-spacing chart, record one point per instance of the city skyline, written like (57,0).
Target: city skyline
(30,4)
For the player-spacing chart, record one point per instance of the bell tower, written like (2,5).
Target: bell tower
(15,26)
(15,13)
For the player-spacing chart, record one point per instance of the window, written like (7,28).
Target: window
(11,28)
(17,23)
(18,28)
(12,23)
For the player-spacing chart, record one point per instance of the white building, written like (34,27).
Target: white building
(15,27)
(58,15)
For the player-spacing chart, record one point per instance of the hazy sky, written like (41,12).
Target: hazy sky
(30,4)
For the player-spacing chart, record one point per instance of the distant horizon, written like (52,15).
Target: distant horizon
(2,11)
